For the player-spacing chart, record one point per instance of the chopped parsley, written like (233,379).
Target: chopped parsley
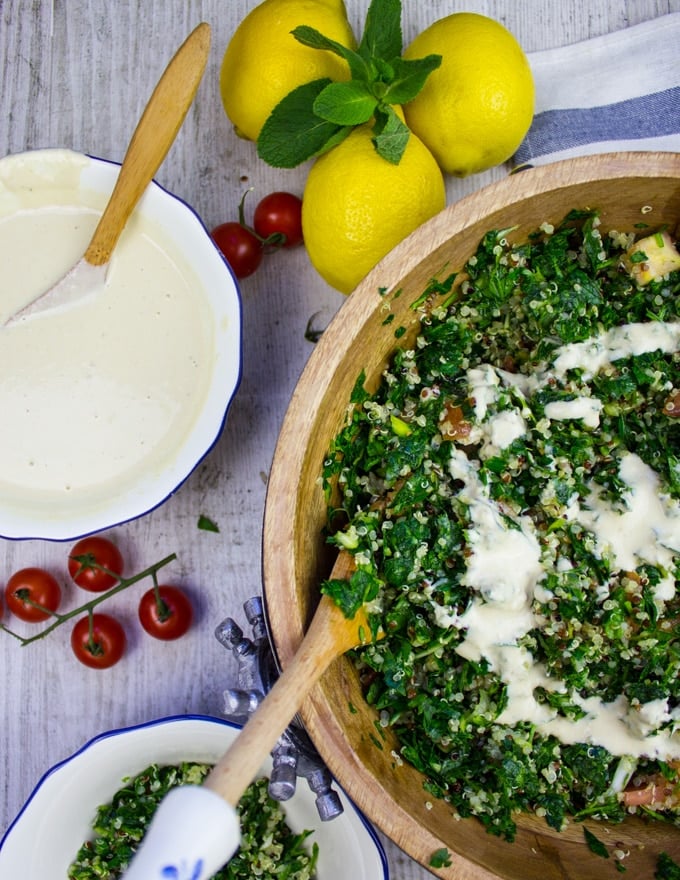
(269,849)
(595,845)
(666,868)
(207,524)
(441,858)
(511,497)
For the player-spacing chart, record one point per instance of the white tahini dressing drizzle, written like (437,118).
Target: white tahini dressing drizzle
(613,345)
(647,529)
(93,396)
(505,569)
(585,409)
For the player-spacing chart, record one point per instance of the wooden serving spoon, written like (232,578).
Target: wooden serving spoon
(151,140)
(195,827)
(330,635)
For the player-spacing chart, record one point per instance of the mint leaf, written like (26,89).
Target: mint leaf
(293,133)
(319,115)
(390,134)
(346,103)
(382,31)
(384,72)
(335,139)
(409,78)
(312,38)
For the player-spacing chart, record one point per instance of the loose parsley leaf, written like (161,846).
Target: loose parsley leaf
(350,595)
(666,868)
(207,524)
(595,845)
(359,393)
(440,858)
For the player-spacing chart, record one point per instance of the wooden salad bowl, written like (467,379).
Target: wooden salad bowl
(624,186)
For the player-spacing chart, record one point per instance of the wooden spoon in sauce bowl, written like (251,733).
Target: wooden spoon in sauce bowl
(151,140)
(330,635)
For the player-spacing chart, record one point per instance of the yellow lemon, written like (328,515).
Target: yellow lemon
(264,62)
(475,109)
(357,206)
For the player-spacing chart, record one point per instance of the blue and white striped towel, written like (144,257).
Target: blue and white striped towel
(616,92)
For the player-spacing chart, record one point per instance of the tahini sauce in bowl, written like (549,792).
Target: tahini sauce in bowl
(105,406)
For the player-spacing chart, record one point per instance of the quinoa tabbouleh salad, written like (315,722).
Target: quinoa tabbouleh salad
(269,848)
(511,497)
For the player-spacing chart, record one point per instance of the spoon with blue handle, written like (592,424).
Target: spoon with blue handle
(195,829)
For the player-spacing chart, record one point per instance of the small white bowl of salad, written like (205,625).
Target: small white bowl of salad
(93,786)
(134,380)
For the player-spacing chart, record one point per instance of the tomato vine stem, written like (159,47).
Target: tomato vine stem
(161,606)
(88,607)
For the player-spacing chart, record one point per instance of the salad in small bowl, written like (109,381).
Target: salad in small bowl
(61,811)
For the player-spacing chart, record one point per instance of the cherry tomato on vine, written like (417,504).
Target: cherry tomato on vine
(95,550)
(28,588)
(280,213)
(240,247)
(99,642)
(167,615)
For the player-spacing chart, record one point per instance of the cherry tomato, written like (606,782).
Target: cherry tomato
(241,249)
(29,588)
(166,616)
(280,213)
(99,643)
(95,551)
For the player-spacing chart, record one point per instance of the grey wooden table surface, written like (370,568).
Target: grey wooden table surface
(76,74)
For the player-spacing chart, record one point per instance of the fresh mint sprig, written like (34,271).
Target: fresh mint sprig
(317,116)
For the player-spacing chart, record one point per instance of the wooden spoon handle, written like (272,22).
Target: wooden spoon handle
(330,634)
(155,132)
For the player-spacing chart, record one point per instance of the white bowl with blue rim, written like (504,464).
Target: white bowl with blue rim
(46,835)
(47,490)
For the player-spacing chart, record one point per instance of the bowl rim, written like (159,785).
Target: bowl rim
(225,382)
(356,820)
(284,509)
